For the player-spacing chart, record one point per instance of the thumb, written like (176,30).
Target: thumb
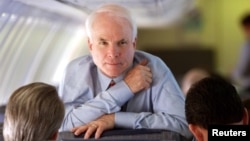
(144,62)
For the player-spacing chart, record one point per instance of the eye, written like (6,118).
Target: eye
(122,42)
(103,43)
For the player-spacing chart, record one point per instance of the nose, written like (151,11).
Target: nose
(113,51)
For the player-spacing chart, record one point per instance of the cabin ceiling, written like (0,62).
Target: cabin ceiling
(148,13)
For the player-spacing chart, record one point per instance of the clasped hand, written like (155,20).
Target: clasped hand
(139,77)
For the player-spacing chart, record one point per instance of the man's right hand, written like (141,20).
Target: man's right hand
(139,77)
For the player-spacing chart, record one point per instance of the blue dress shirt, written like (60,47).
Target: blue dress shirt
(84,92)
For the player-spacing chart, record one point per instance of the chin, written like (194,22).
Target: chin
(113,72)
(112,75)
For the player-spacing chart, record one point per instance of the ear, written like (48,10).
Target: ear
(89,44)
(245,117)
(197,132)
(135,43)
(54,136)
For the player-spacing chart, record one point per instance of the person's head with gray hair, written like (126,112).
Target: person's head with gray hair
(112,35)
(34,112)
(113,10)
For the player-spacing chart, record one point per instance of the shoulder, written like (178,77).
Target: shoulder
(81,62)
(154,62)
(140,55)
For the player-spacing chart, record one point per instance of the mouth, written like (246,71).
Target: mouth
(113,64)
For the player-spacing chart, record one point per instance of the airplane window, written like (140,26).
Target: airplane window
(35,45)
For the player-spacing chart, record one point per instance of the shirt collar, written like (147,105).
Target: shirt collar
(105,80)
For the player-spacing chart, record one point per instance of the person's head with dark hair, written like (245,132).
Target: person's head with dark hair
(245,24)
(213,101)
(245,19)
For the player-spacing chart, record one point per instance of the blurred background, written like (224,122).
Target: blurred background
(39,37)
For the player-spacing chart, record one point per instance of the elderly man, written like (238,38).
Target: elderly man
(145,94)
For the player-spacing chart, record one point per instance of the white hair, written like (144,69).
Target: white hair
(115,10)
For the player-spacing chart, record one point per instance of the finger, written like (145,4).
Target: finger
(146,68)
(78,130)
(149,74)
(98,133)
(149,81)
(144,62)
(74,129)
(90,131)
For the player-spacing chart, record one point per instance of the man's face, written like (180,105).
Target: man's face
(111,44)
